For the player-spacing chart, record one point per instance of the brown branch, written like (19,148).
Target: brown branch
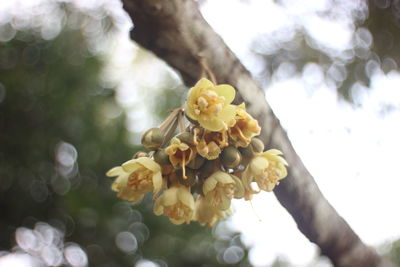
(176,32)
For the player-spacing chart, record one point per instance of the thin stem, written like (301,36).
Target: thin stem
(206,70)
(167,122)
(181,121)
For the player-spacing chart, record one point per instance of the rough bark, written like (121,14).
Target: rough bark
(177,33)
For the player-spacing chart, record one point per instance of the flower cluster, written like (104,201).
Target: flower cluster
(195,173)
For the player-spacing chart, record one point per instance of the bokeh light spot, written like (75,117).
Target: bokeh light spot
(126,242)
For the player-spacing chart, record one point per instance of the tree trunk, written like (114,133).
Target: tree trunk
(177,33)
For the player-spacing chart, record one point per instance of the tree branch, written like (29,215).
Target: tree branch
(176,32)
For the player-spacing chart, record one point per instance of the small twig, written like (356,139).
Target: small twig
(164,125)
(181,121)
(206,70)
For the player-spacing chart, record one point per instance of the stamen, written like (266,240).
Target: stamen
(241,134)
(183,165)
(195,137)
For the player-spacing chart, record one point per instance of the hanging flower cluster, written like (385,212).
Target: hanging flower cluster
(195,174)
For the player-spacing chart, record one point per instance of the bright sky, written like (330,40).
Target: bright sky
(351,152)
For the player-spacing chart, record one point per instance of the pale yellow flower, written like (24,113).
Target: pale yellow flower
(220,188)
(210,104)
(180,154)
(176,203)
(206,214)
(243,128)
(136,178)
(266,169)
(210,144)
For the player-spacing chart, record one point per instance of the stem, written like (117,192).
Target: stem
(181,121)
(206,70)
(167,122)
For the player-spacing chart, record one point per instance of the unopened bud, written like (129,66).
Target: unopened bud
(186,138)
(230,157)
(191,177)
(196,163)
(257,145)
(191,120)
(208,168)
(152,139)
(140,154)
(247,154)
(161,157)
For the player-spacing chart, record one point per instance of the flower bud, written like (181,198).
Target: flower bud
(230,157)
(153,138)
(186,138)
(140,154)
(209,167)
(191,177)
(257,145)
(161,157)
(196,163)
(192,121)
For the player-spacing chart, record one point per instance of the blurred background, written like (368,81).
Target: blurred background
(76,94)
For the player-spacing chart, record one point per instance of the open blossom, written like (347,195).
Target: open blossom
(243,128)
(206,214)
(266,169)
(210,144)
(176,203)
(179,153)
(136,178)
(210,104)
(220,188)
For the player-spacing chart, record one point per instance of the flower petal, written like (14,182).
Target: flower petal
(225,204)
(222,177)
(149,164)
(120,182)
(227,113)
(131,165)
(273,152)
(170,197)
(209,184)
(212,125)
(157,182)
(203,83)
(258,164)
(239,188)
(115,171)
(185,197)
(227,91)
(158,209)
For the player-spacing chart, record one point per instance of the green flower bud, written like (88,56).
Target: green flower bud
(161,157)
(191,177)
(257,145)
(208,168)
(247,154)
(196,163)
(192,121)
(186,138)
(153,138)
(230,157)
